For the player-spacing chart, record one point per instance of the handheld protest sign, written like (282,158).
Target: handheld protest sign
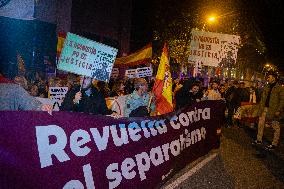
(86,57)
(144,72)
(56,95)
(130,73)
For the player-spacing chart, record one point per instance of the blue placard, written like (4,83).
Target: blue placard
(86,57)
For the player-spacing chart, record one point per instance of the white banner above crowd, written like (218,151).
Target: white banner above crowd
(213,49)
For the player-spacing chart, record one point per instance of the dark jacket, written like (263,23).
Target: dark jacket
(244,94)
(185,98)
(276,101)
(233,96)
(95,103)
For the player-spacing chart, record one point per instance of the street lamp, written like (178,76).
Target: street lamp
(211,19)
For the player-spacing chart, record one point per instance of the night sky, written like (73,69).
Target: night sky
(268,16)
(270,19)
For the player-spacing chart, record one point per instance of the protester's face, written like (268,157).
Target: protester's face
(222,89)
(215,86)
(34,90)
(270,79)
(121,87)
(144,88)
(86,83)
(195,89)
(69,85)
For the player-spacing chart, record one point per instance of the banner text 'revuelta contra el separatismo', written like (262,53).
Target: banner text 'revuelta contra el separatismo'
(78,150)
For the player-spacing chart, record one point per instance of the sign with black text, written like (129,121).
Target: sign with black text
(85,57)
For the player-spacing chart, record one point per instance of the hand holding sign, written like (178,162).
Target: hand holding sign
(47,108)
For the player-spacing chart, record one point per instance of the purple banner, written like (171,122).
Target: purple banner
(78,150)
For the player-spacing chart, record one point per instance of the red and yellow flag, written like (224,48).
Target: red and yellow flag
(163,85)
(142,56)
(60,42)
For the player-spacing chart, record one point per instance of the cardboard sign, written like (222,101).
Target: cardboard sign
(139,72)
(57,94)
(144,72)
(131,73)
(85,57)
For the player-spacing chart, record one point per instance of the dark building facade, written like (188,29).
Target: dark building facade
(108,22)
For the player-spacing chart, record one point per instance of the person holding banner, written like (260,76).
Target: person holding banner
(85,98)
(140,102)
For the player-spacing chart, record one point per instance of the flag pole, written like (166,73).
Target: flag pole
(82,83)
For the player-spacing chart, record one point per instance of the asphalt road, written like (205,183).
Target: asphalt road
(236,164)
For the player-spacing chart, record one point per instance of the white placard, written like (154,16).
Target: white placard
(139,72)
(144,72)
(131,73)
(57,94)
(213,49)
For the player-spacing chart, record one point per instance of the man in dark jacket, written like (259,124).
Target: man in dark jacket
(187,95)
(233,101)
(270,107)
(244,92)
(85,99)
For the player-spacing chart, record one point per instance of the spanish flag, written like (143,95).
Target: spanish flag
(143,56)
(163,85)
(60,43)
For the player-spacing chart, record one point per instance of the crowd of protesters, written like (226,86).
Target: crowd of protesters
(88,95)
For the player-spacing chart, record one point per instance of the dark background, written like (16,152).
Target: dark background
(268,16)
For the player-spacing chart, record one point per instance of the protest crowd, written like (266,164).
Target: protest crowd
(182,116)
(254,104)
(89,98)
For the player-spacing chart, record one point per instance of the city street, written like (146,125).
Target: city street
(237,164)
